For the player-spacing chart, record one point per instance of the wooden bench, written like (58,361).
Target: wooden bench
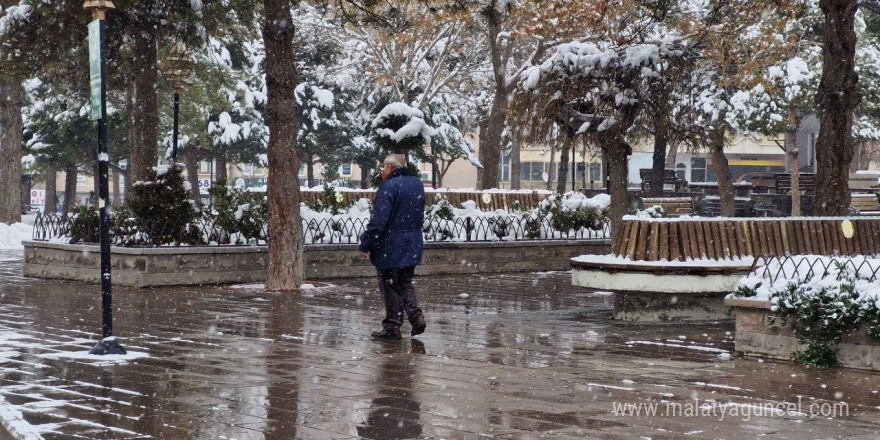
(664,270)
(865,204)
(669,178)
(716,239)
(807,182)
(711,207)
(681,269)
(672,206)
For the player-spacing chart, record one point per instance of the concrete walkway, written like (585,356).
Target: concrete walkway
(521,356)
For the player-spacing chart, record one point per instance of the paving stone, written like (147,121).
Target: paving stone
(507,356)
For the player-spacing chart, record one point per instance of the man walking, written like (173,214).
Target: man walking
(393,242)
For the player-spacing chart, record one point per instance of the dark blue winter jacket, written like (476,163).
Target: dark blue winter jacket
(394,235)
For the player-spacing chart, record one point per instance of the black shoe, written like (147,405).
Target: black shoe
(418,325)
(388,332)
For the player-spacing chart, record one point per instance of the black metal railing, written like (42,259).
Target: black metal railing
(801,268)
(339,230)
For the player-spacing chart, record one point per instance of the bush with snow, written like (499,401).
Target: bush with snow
(240,216)
(399,127)
(828,297)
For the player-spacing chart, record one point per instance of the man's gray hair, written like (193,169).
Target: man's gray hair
(397,161)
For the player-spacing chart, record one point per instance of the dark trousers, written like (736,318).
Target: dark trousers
(397,290)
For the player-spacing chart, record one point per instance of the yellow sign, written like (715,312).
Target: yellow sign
(487,198)
(847,227)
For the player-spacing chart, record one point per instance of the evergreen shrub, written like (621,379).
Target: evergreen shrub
(163,211)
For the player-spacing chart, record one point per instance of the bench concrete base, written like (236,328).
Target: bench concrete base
(165,266)
(652,292)
(668,307)
(756,337)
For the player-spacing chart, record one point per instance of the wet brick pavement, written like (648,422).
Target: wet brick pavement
(518,356)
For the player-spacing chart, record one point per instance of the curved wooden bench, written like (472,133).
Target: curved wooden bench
(680,269)
(715,239)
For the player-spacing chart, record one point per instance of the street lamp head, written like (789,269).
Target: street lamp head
(99,8)
(177,67)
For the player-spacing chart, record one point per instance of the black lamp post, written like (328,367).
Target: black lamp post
(177,73)
(98,103)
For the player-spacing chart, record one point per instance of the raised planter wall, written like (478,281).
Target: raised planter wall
(145,267)
(756,337)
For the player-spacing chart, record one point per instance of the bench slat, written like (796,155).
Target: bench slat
(654,243)
(777,238)
(641,241)
(725,245)
(797,236)
(873,230)
(619,246)
(684,246)
(714,233)
(862,237)
(664,241)
(693,244)
(631,244)
(761,237)
(745,231)
(674,242)
(735,249)
(819,232)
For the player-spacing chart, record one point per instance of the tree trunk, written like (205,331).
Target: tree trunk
(722,172)
(490,148)
(792,157)
(365,175)
(837,98)
(671,153)
(116,189)
(513,162)
(490,151)
(563,170)
(192,176)
(220,166)
(618,171)
(11,126)
(50,205)
(285,269)
(144,108)
(310,172)
(70,173)
(552,164)
(658,164)
(481,137)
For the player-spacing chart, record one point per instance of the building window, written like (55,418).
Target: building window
(504,168)
(596,172)
(681,171)
(204,167)
(346,169)
(534,171)
(698,169)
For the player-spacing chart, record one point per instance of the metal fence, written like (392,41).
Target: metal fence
(337,230)
(802,268)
